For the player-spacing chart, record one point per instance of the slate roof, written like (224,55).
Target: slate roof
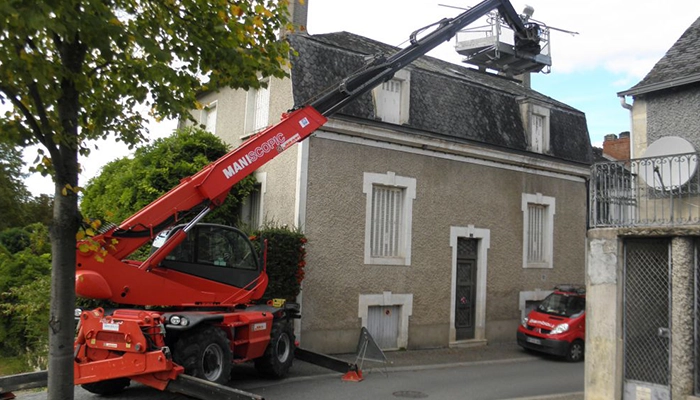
(447,100)
(679,66)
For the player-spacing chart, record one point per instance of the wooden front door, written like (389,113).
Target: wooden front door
(465,301)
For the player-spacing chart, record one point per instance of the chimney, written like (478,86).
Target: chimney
(525,79)
(298,10)
(617,147)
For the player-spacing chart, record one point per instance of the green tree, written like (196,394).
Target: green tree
(13,193)
(25,268)
(39,209)
(77,70)
(127,185)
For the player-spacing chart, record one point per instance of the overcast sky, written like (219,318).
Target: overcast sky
(619,41)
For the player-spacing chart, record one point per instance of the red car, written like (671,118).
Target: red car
(558,325)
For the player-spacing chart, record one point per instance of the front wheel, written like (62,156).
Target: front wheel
(576,351)
(279,355)
(205,353)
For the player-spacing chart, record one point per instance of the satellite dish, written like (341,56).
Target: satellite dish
(667,164)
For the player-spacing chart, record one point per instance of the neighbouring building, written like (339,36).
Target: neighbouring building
(437,208)
(643,280)
(617,147)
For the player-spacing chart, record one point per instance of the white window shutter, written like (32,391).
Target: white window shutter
(389,101)
(537,236)
(538,133)
(262,109)
(387,218)
(210,118)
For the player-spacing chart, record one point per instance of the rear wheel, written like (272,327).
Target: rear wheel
(279,355)
(107,387)
(576,351)
(205,353)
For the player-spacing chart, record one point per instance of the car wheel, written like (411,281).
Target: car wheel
(205,353)
(107,387)
(576,351)
(279,355)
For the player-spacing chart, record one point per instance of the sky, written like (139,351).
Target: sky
(617,44)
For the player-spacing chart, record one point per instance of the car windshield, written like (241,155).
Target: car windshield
(562,304)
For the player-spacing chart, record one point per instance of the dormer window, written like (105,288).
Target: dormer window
(536,123)
(392,98)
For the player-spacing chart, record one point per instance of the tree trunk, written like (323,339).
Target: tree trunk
(61,320)
(66,221)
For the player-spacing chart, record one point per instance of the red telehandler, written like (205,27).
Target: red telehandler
(204,279)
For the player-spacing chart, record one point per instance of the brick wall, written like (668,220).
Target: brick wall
(617,148)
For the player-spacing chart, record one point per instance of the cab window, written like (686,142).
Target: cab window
(215,246)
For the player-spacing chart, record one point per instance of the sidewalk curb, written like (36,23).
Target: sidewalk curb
(408,368)
(560,396)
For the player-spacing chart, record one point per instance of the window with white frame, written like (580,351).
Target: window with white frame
(538,136)
(208,118)
(251,209)
(538,230)
(389,214)
(536,118)
(392,98)
(258,109)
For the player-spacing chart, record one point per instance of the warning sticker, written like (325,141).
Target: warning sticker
(106,326)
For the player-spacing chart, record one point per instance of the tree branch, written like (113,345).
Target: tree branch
(94,70)
(10,94)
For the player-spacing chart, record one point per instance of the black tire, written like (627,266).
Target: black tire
(108,387)
(279,355)
(205,353)
(576,351)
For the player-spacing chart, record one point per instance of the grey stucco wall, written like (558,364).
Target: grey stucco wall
(449,193)
(674,113)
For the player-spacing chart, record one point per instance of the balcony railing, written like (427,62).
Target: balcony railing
(655,191)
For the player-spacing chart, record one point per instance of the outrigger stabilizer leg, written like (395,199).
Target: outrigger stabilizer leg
(350,370)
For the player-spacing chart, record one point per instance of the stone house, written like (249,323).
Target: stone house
(436,207)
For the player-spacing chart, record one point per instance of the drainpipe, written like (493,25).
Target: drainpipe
(627,106)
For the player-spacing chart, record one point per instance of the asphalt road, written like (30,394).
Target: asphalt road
(482,380)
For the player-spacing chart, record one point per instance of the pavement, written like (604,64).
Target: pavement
(412,360)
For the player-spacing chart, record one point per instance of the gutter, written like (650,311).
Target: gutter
(653,87)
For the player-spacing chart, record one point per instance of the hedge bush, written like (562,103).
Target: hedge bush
(286,259)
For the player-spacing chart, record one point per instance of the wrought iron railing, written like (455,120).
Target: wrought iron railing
(654,191)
